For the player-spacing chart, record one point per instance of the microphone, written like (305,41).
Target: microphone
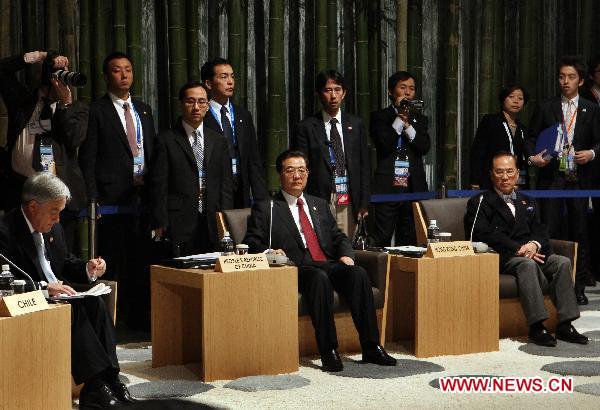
(20,270)
(475,219)
(478,247)
(270,225)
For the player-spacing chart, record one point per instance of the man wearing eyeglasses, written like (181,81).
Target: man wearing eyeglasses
(508,222)
(235,123)
(191,177)
(303,228)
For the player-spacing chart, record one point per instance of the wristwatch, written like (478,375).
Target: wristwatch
(43,284)
(529,162)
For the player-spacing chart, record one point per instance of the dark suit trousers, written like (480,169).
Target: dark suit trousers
(390,217)
(553,216)
(124,242)
(93,344)
(317,283)
(554,274)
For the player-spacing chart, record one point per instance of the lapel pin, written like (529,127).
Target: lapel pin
(145,113)
(314,208)
(51,239)
(241,121)
(524,202)
(584,109)
(349,128)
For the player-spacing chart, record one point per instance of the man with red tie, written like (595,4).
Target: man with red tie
(303,228)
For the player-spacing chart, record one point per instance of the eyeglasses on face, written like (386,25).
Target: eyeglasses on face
(510,172)
(302,171)
(191,102)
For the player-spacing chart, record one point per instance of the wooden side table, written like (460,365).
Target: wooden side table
(35,360)
(448,306)
(235,324)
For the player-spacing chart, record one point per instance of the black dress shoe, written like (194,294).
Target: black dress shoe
(378,355)
(97,395)
(539,335)
(331,361)
(581,298)
(568,333)
(121,392)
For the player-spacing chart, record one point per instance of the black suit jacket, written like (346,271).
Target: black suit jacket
(385,138)
(16,243)
(310,138)
(285,234)
(105,157)
(491,138)
(497,227)
(175,183)
(252,170)
(68,127)
(587,136)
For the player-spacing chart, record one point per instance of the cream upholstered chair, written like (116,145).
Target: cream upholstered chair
(375,263)
(450,214)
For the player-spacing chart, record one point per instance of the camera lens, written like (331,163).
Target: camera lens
(71,78)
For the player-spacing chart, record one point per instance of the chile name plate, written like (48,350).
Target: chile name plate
(22,303)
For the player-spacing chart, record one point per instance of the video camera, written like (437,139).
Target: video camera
(410,105)
(71,78)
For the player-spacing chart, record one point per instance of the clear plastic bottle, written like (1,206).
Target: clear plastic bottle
(6,282)
(227,245)
(433,232)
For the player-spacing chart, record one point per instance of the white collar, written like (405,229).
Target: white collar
(119,101)
(189,129)
(217,107)
(327,117)
(31,230)
(291,199)
(574,100)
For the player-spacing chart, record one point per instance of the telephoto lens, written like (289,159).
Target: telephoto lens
(71,78)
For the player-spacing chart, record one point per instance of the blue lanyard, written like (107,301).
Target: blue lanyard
(138,133)
(218,118)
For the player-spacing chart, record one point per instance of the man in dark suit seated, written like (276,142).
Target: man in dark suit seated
(324,257)
(191,177)
(508,222)
(32,238)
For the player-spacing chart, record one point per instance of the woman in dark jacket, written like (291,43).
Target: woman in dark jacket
(500,132)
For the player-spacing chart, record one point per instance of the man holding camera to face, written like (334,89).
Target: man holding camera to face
(399,133)
(45,127)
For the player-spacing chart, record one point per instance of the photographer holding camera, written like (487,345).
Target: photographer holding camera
(45,128)
(399,133)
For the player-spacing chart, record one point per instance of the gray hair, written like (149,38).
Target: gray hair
(44,186)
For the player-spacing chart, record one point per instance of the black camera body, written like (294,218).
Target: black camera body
(71,78)
(410,105)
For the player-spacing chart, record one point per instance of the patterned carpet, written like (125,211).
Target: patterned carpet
(413,383)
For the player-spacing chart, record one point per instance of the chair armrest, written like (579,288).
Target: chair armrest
(567,249)
(376,264)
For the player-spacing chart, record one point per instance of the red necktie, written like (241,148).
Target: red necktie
(312,242)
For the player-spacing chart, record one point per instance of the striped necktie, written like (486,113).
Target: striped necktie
(199,154)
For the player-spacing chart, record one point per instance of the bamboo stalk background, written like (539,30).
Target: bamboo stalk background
(341,34)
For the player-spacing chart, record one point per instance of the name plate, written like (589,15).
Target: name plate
(448,249)
(234,263)
(22,303)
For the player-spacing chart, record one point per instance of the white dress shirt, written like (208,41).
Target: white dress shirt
(292,202)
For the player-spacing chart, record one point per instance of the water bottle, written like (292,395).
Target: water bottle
(6,282)
(227,245)
(433,232)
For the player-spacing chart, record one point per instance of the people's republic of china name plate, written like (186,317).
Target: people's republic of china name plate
(448,249)
(22,303)
(234,263)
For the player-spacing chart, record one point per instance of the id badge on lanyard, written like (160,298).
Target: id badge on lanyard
(138,163)
(401,173)
(341,190)
(47,159)
(234,166)
(202,184)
